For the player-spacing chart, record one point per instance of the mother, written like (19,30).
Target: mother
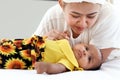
(89,21)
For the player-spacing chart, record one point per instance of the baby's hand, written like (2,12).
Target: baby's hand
(40,67)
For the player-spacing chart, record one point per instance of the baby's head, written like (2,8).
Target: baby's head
(88,56)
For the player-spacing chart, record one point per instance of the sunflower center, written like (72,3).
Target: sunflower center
(6,47)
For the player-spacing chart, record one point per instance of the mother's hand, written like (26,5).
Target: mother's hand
(56,35)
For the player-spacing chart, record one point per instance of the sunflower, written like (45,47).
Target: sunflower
(0,60)
(33,57)
(30,68)
(26,54)
(40,45)
(18,43)
(38,41)
(27,41)
(7,48)
(15,64)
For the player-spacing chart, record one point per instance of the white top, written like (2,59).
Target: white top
(104,34)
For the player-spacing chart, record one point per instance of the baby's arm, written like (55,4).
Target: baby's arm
(49,68)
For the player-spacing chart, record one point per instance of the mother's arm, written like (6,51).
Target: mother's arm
(105,53)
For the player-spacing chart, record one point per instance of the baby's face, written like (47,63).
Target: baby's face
(87,56)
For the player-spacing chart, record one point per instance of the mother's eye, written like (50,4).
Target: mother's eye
(91,17)
(75,16)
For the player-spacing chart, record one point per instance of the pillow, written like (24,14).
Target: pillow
(20,53)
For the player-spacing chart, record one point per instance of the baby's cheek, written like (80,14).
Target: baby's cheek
(83,62)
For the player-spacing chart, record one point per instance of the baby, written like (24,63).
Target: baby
(59,57)
(48,56)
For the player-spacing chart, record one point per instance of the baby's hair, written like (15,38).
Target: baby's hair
(95,68)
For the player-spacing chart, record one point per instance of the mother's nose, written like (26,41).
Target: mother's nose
(82,22)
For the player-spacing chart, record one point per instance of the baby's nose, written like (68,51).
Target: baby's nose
(84,52)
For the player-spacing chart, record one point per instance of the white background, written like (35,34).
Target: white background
(20,18)
(117,3)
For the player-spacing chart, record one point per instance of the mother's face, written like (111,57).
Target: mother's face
(80,16)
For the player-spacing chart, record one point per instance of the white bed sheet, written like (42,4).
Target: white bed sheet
(109,71)
(31,75)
